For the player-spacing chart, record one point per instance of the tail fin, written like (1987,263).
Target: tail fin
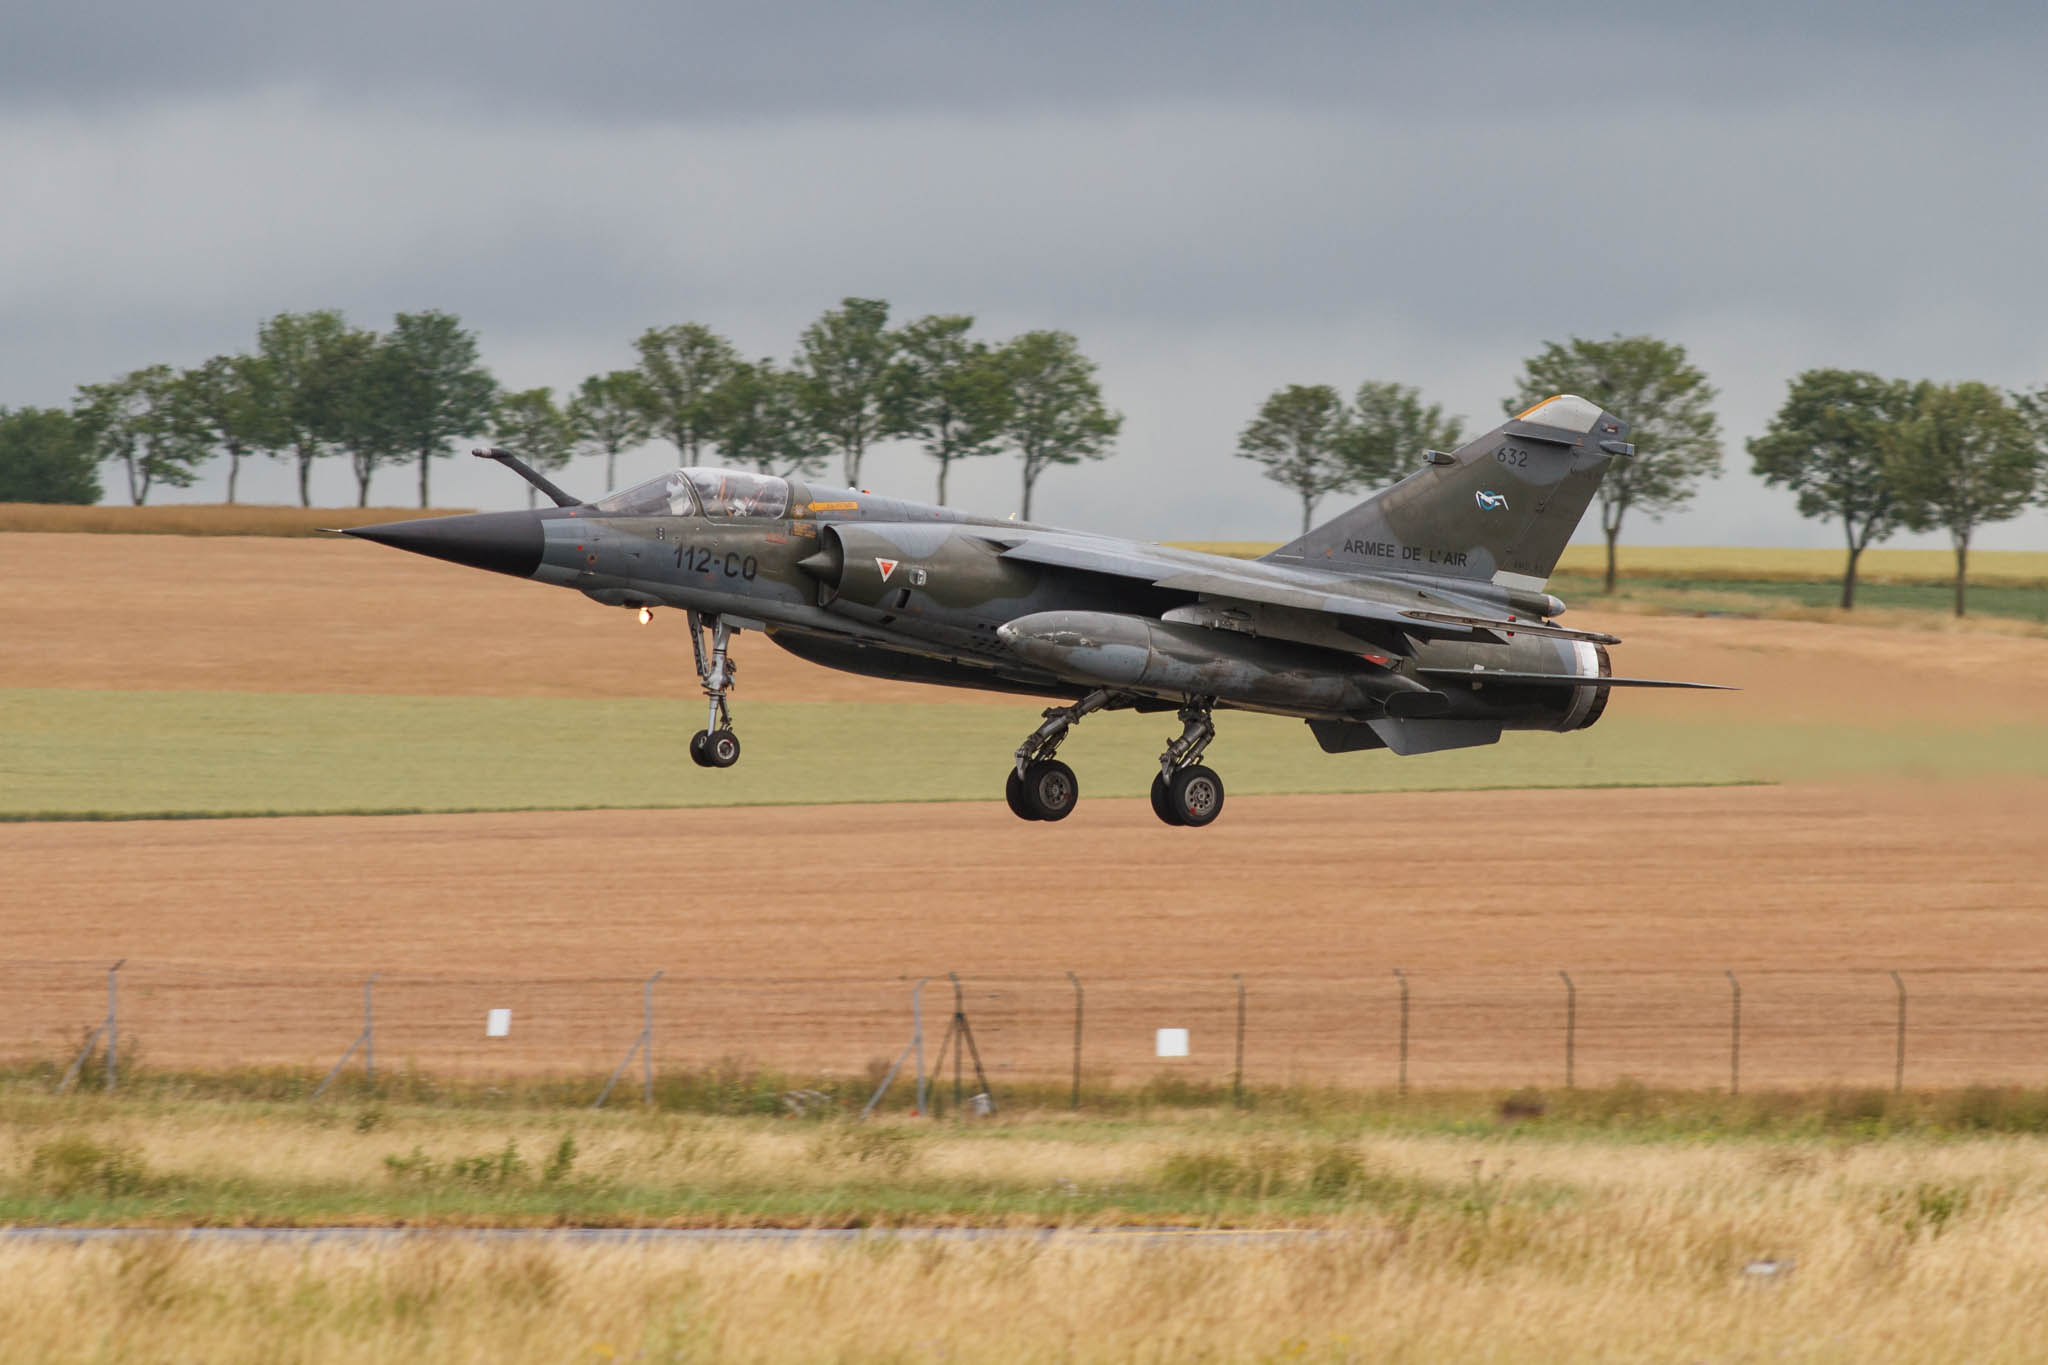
(1500,508)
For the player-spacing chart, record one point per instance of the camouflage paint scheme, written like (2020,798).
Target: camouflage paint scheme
(1415,621)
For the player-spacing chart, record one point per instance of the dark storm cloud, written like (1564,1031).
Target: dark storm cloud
(1217,201)
(614,58)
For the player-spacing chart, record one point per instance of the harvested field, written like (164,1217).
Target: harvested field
(789,936)
(200,519)
(261,615)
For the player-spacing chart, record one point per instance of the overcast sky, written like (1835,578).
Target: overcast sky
(1216,199)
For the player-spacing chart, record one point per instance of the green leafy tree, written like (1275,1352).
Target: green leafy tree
(946,391)
(144,422)
(369,426)
(231,397)
(1668,404)
(46,455)
(530,425)
(1389,427)
(843,365)
(680,368)
(608,414)
(760,421)
(315,362)
(1830,445)
(427,389)
(1966,460)
(1302,437)
(1057,416)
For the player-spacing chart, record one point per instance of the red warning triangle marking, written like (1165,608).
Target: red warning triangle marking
(887,566)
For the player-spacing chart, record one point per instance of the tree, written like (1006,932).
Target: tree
(1057,416)
(368,423)
(843,366)
(1389,427)
(759,421)
(144,421)
(1668,404)
(1829,444)
(680,368)
(1967,459)
(530,425)
(314,361)
(608,415)
(429,388)
(46,455)
(231,397)
(947,392)
(1301,436)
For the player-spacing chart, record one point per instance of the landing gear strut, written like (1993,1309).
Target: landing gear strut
(1185,792)
(1040,787)
(715,746)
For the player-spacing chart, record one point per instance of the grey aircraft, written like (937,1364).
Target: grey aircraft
(1416,621)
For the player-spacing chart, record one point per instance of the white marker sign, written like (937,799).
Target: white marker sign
(1173,1042)
(498,1023)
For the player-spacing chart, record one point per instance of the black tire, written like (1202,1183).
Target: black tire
(1162,804)
(1196,795)
(721,749)
(1013,792)
(1050,789)
(697,749)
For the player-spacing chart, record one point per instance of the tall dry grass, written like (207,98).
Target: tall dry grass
(202,519)
(1504,1243)
(1647,1264)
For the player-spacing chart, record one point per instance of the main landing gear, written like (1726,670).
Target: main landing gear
(715,746)
(1185,792)
(1040,787)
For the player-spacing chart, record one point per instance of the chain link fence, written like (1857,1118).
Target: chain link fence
(1463,1029)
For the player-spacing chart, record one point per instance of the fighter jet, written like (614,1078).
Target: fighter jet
(1416,621)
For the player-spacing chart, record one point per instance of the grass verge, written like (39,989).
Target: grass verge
(86,754)
(1617,1223)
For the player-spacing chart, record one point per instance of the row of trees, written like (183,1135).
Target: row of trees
(1879,455)
(316,387)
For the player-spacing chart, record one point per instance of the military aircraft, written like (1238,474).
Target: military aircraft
(1416,621)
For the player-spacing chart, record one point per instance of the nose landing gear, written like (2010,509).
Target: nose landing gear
(715,746)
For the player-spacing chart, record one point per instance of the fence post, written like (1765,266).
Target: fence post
(1237,1072)
(1571,1024)
(1402,977)
(1899,1066)
(647,1037)
(1734,1035)
(369,1032)
(113,1022)
(1075,1103)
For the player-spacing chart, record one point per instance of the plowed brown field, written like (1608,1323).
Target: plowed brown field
(341,616)
(790,935)
(787,934)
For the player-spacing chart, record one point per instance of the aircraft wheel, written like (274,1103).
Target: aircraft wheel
(1013,792)
(721,749)
(1195,795)
(697,749)
(1162,804)
(1050,789)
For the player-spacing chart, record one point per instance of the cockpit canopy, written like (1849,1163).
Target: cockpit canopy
(701,492)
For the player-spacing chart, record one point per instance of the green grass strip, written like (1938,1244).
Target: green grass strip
(107,755)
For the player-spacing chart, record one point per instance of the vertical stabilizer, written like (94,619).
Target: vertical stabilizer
(1500,508)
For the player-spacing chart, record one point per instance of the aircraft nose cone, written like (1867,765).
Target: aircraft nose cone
(504,542)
